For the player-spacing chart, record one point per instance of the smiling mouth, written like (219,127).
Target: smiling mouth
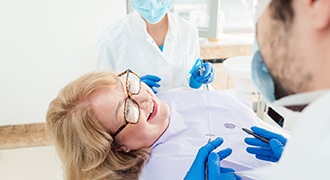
(153,111)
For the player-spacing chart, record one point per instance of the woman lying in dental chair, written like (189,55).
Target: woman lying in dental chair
(108,126)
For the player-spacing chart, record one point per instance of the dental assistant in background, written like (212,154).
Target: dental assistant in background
(291,69)
(156,44)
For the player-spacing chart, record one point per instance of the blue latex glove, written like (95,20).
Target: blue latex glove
(197,169)
(264,151)
(151,81)
(196,78)
(215,172)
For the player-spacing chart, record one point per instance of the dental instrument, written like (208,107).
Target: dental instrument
(232,126)
(210,135)
(201,71)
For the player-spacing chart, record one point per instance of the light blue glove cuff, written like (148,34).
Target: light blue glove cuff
(193,83)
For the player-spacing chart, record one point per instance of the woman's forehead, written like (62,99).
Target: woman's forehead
(104,104)
(121,84)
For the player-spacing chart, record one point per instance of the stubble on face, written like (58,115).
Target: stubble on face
(277,41)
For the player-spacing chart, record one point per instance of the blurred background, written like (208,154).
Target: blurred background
(44,44)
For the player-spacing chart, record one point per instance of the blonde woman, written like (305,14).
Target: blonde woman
(108,126)
(84,135)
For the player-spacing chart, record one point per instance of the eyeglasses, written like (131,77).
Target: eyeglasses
(131,107)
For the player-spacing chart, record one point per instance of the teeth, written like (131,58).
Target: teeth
(152,110)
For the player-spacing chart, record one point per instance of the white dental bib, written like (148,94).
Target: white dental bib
(193,115)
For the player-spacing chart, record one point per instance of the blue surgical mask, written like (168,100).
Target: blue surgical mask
(261,77)
(152,10)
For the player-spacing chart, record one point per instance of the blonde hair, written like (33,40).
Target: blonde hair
(87,151)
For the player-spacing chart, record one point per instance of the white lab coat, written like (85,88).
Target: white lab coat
(193,115)
(126,44)
(307,153)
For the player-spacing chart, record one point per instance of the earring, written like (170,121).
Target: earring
(127,150)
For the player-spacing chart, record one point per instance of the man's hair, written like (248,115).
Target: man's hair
(282,10)
(86,149)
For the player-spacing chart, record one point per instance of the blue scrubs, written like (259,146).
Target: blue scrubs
(161,48)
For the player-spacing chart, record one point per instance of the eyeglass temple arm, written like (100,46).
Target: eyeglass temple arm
(120,129)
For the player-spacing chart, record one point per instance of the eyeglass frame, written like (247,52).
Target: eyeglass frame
(129,94)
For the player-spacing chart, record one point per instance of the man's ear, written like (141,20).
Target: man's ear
(321,13)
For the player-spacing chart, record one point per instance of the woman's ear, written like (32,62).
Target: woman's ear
(321,13)
(123,148)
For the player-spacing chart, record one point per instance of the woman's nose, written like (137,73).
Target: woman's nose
(143,99)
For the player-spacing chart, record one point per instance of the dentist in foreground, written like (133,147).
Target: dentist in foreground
(291,69)
(158,45)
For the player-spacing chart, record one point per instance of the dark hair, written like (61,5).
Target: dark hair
(282,10)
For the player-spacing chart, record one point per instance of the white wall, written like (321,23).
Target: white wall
(44,44)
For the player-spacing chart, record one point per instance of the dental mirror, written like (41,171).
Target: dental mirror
(229,125)
(232,126)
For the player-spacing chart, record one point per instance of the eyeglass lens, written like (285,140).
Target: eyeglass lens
(133,83)
(132,109)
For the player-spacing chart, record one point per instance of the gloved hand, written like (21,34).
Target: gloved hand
(197,169)
(151,81)
(215,172)
(201,73)
(264,151)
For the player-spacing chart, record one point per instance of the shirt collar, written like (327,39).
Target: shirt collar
(139,25)
(172,25)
